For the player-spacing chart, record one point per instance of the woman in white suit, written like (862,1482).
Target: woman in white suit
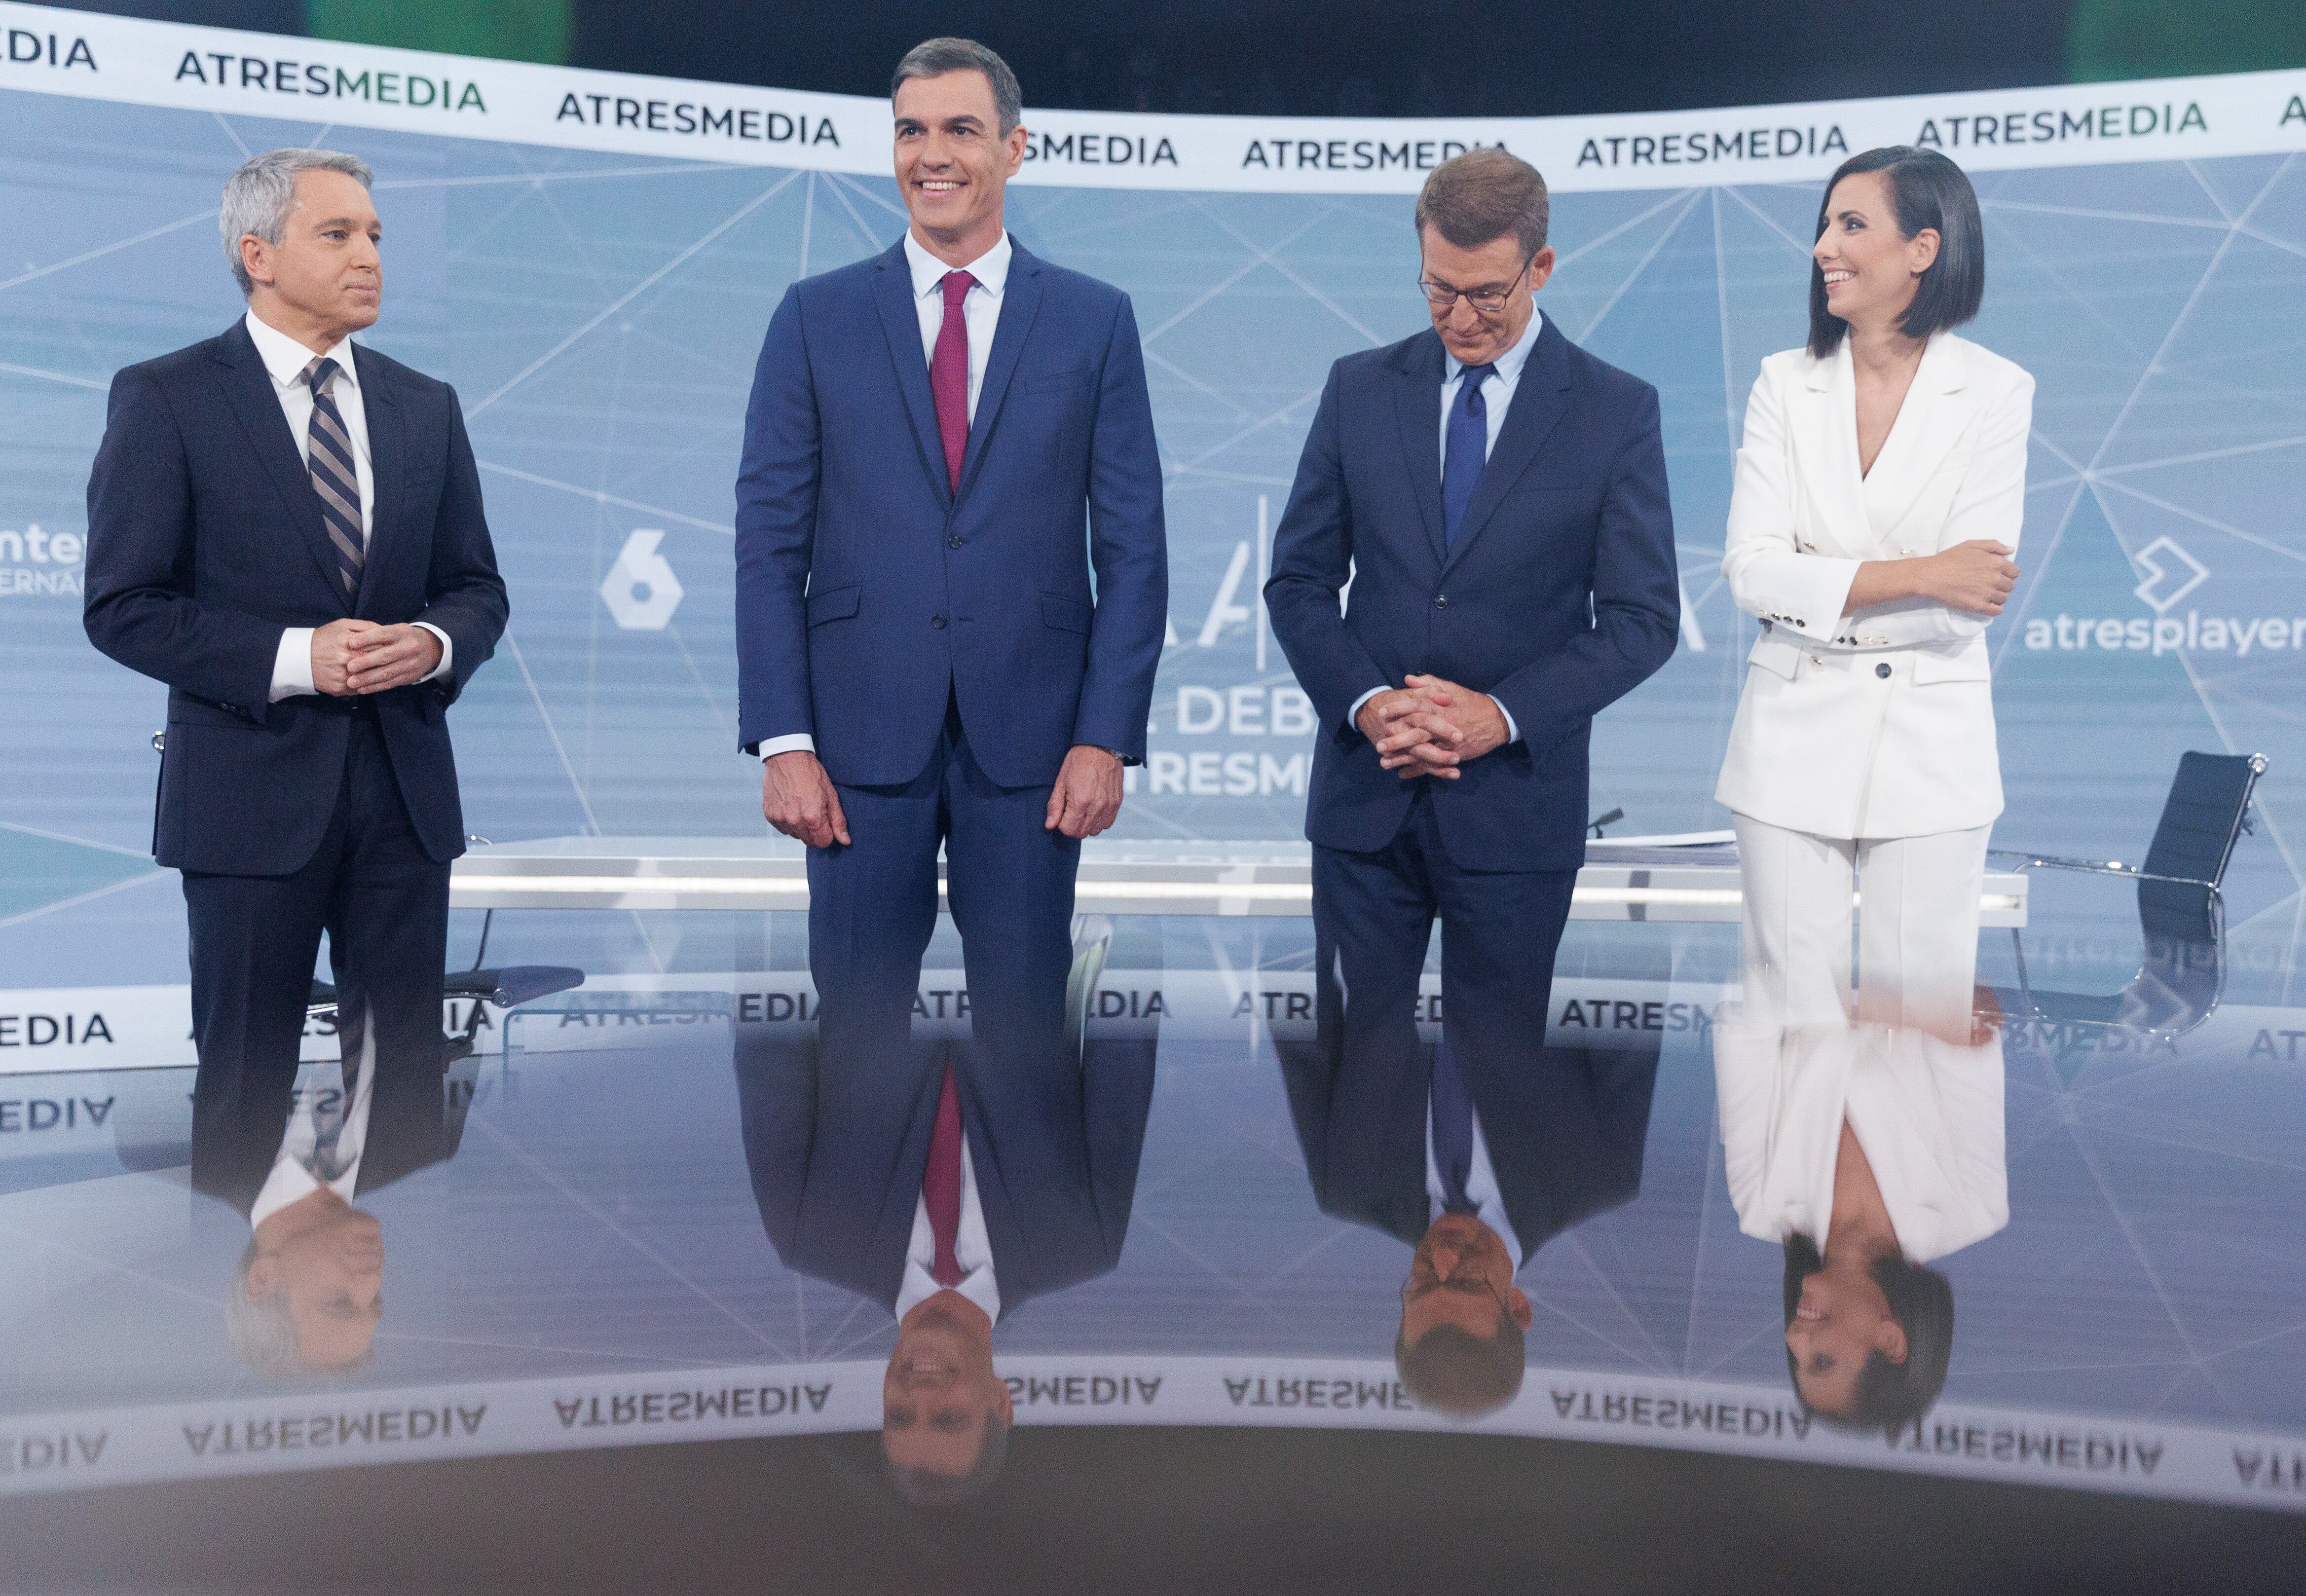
(1867,1152)
(1878,497)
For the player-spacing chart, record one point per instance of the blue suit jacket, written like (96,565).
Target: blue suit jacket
(1566,1129)
(868,592)
(1559,596)
(837,1158)
(205,542)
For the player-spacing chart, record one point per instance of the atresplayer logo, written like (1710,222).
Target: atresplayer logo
(2167,574)
(640,589)
(38,564)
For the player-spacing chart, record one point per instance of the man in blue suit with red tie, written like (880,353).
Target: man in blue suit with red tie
(1497,498)
(945,443)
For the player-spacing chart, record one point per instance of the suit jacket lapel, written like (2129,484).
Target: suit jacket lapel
(1021,302)
(1822,427)
(1937,411)
(248,389)
(1540,399)
(1418,407)
(892,291)
(387,463)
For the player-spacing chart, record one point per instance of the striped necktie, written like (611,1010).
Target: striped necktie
(330,455)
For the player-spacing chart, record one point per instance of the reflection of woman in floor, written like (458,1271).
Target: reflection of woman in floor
(1867,1152)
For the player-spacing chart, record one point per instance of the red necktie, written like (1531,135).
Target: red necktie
(949,374)
(941,1183)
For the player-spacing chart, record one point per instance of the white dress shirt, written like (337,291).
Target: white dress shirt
(972,1249)
(285,359)
(1481,1184)
(292,1178)
(981,311)
(1497,397)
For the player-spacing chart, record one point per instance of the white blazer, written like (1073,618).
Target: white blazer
(1929,1114)
(1880,724)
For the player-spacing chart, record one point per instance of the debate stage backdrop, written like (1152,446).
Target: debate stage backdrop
(591,260)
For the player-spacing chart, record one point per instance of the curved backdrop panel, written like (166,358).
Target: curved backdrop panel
(592,260)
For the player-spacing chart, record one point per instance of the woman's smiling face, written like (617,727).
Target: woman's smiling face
(1870,268)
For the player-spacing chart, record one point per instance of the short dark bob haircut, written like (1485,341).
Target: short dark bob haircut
(1889,1396)
(1931,191)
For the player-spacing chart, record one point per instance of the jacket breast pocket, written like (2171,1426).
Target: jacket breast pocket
(1057,382)
(834,604)
(1064,614)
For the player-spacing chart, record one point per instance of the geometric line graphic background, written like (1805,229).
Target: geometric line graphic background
(600,316)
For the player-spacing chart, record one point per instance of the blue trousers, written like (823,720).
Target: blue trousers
(384,903)
(1372,920)
(873,907)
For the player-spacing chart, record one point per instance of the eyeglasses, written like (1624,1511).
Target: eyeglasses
(1487,301)
(1466,1279)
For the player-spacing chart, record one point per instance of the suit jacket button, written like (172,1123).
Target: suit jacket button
(1882,670)
(937,621)
(955,540)
(1440,600)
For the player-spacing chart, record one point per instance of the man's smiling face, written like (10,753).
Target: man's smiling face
(953,164)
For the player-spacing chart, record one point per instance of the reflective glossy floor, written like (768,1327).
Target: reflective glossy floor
(566,1295)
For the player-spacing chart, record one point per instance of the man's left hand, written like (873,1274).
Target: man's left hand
(388,657)
(1459,726)
(1087,797)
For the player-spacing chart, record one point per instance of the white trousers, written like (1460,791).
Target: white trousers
(1916,926)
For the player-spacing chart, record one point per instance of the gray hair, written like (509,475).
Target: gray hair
(258,197)
(933,58)
(260,1329)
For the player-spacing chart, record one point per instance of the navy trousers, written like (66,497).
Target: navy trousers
(873,906)
(384,903)
(1373,920)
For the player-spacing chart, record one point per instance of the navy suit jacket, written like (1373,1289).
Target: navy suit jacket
(1565,1127)
(837,1158)
(870,594)
(1559,596)
(205,542)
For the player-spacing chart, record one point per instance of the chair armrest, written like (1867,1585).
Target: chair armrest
(2035,861)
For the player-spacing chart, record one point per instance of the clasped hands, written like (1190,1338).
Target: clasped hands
(799,799)
(353,657)
(1430,727)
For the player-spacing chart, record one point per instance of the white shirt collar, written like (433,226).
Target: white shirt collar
(1510,363)
(286,358)
(991,268)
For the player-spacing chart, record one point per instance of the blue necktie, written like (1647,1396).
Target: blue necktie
(1469,448)
(1452,1108)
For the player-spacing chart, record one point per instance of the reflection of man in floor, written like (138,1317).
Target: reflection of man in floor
(950,1189)
(307,1295)
(1476,1153)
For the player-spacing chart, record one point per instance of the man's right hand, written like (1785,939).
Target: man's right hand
(1404,745)
(798,799)
(332,654)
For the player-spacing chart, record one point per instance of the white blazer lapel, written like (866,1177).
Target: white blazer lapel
(1939,407)
(1822,427)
